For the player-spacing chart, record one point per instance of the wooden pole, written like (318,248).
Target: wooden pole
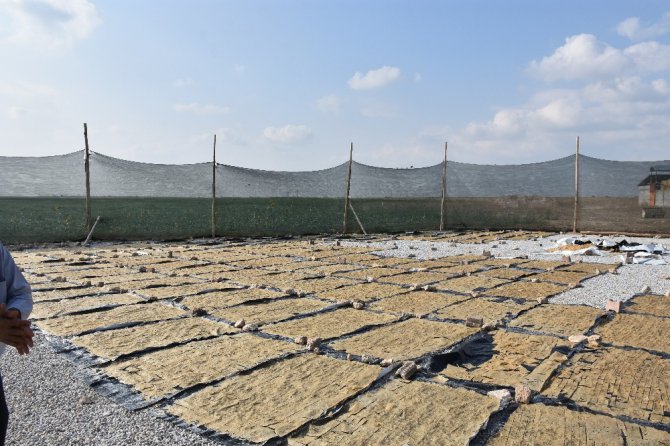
(443,215)
(353,211)
(90,233)
(346,198)
(214,189)
(576,211)
(88,180)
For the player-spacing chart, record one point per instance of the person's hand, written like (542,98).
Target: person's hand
(12,313)
(14,331)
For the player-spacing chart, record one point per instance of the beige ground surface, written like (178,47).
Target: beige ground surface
(468,284)
(414,278)
(649,304)
(267,312)
(170,345)
(111,344)
(49,309)
(163,372)
(43,296)
(487,308)
(332,268)
(213,269)
(328,325)
(222,299)
(456,269)
(564,320)
(399,413)
(376,273)
(169,292)
(591,268)
(58,285)
(527,290)
(618,382)
(504,273)
(321,285)
(405,340)
(126,277)
(638,330)
(292,393)
(417,303)
(542,264)
(363,292)
(510,359)
(540,425)
(158,281)
(126,314)
(564,277)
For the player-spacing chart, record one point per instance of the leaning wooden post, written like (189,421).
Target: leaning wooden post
(346,198)
(443,215)
(88,180)
(90,233)
(576,211)
(214,189)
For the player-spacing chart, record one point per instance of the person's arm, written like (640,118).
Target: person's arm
(19,295)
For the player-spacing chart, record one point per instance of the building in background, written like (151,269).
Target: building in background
(654,190)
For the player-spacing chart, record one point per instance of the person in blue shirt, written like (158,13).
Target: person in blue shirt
(16,303)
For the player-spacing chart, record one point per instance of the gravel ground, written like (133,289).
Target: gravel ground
(628,281)
(51,405)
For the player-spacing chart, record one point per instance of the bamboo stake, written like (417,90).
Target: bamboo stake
(88,180)
(357,219)
(346,198)
(576,210)
(444,189)
(214,189)
(90,233)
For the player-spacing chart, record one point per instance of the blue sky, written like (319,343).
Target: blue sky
(287,84)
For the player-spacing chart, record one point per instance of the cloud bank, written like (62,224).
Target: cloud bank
(374,78)
(49,24)
(288,134)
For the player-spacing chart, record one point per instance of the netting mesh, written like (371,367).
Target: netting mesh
(42,198)
(112,177)
(47,176)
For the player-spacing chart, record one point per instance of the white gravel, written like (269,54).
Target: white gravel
(628,281)
(50,404)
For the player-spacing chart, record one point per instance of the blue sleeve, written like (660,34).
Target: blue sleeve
(19,294)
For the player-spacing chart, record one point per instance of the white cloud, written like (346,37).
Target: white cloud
(15,113)
(229,135)
(661,86)
(200,109)
(615,117)
(24,90)
(49,24)
(185,82)
(632,29)
(582,57)
(374,78)
(288,133)
(329,103)
(20,99)
(649,57)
